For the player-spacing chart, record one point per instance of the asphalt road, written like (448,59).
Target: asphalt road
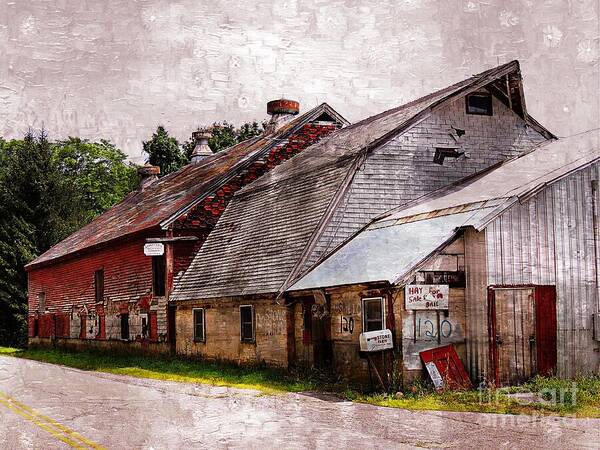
(51,407)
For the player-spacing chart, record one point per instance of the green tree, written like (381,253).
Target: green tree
(225,135)
(28,186)
(47,191)
(97,175)
(163,151)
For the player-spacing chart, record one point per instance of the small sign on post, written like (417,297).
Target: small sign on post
(154,249)
(376,341)
(426,296)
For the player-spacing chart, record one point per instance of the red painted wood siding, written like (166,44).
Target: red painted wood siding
(127,276)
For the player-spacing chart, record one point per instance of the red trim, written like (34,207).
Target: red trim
(492,335)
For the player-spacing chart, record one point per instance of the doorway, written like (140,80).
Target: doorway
(522,332)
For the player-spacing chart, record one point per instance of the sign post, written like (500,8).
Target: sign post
(376,342)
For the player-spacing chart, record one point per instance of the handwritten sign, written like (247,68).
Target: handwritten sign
(154,249)
(375,341)
(426,296)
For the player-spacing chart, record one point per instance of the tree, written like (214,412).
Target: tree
(47,191)
(163,151)
(97,174)
(27,187)
(225,135)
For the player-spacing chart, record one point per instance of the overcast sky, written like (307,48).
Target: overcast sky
(115,69)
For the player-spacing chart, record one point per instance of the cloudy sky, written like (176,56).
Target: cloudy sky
(117,68)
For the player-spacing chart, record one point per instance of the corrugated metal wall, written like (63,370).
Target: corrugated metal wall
(549,240)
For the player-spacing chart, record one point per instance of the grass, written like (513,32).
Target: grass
(559,396)
(573,398)
(266,380)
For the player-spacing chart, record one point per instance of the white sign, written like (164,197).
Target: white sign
(426,296)
(434,373)
(374,341)
(154,249)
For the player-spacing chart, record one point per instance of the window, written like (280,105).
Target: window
(99,285)
(373,310)
(41,302)
(479,104)
(144,320)
(247,323)
(199,324)
(158,275)
(125,326)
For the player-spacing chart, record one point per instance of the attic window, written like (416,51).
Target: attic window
(479,104)
(324,117)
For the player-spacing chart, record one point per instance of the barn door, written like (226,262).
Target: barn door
(513,335)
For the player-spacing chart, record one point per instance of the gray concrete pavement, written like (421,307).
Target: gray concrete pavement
(123,412)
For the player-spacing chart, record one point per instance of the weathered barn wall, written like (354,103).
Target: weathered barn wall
(403,169)
(112,346)
(477,339)
(70,294)
(347,325)
(426,329)
(222,331)
(549,240)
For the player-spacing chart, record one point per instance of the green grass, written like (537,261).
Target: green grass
(558,395)
(171,369)
(584,402)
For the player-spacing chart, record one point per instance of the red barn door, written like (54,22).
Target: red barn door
(522,326)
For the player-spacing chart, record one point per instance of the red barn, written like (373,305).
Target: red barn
(109,282)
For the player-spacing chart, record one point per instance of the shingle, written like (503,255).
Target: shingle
(142,210)
(274,220)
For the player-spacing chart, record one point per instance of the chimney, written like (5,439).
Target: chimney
(148,175)
(202,149)
(281,111)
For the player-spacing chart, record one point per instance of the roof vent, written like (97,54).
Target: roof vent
(148,175)
(281,111)
(202,149)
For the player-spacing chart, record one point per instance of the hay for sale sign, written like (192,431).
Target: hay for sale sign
(426,296)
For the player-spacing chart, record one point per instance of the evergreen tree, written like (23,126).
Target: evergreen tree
(163,151)
(47,191)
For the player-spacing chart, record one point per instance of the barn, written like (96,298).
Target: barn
(503,266)
(239,299)
(108,284)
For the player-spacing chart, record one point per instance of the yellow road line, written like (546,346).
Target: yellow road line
(56,429)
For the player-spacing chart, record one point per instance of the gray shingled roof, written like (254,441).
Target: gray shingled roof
(393,245)
(270,227)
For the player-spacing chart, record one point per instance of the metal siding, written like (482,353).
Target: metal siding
(549,240)
(476,262)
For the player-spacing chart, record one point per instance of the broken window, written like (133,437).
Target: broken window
(99,285)
(442,153)
(479,104)
(373,314)
(125,326)
(145,327)
(247,323)
(159,278)
(198,324)
(41,302)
